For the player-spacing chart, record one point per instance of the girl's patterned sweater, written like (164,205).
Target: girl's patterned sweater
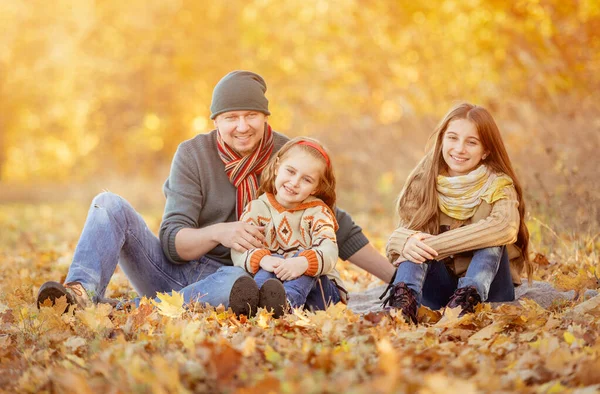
(307,230)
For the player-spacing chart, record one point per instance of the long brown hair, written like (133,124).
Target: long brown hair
(326,188)
(419,193)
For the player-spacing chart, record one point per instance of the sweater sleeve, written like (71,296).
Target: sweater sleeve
(350,236)
(323,253)
(183,191)
(501,227)
(395,244)
(250,259)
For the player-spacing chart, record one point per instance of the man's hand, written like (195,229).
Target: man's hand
(291,268)
(269,263)
(417,251)
(240,236)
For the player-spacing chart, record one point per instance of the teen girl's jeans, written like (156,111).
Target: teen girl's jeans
(433,284)
(305,290)
(114,233)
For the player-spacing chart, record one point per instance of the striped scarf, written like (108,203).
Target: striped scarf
(243,171)
(460,196)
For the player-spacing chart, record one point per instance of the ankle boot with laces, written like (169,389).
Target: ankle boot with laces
(402,297)
(74,292)
(465,297)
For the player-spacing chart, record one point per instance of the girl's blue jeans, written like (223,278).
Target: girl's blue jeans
(314,293)
(114,233)
(433,283)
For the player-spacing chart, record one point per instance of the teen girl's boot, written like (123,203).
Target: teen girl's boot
(466,298)
(403,298)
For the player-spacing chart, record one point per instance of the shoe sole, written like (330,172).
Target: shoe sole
(53,291)
(243,298)
(271,296)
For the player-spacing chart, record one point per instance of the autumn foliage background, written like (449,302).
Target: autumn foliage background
(97,95)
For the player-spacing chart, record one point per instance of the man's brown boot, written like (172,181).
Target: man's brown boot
(74,292)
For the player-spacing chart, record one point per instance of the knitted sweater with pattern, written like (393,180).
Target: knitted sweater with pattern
(306,230)
(199,194)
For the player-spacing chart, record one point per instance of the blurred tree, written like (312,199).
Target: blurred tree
(113,87)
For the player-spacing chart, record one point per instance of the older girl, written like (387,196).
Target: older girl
(296,265)
(462,238)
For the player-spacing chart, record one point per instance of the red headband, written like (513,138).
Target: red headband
(318,148)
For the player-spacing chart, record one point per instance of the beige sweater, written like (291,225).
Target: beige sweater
(307,230)
(491,225)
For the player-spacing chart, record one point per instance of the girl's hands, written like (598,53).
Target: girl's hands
(291,268)
(416,250)
(269,263)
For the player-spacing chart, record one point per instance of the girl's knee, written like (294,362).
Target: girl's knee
(495,251)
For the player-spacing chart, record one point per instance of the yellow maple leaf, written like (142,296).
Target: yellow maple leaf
(303,320)
(569,338)
(263,319)
(336,310)
(170,305)
(450,318)
(486,333)
(95,317)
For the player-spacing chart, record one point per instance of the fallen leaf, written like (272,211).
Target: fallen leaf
(449,318)
(272,356)
(170,305)
(264,318)
(486,333)
(591,306)
(569,337)
(540,259)
(426,315)
(74,343)
(95,317)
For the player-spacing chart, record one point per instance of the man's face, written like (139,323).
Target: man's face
(241,130)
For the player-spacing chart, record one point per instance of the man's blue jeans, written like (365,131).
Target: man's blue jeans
(305,291)
(114,233)
(433,284)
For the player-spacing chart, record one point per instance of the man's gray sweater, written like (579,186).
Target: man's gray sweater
(199,194)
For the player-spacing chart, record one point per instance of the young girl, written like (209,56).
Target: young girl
(296,266)
(462,237)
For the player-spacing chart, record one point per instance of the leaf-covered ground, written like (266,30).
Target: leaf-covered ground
(510,348)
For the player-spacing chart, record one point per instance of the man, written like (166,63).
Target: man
(212,177)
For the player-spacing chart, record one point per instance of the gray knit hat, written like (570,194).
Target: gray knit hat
(239,91)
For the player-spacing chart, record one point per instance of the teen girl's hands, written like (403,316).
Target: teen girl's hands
(269,263)
(416,250)
(291,268)
(240,236)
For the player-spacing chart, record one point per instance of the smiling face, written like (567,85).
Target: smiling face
(241,130)
(297,177)
(462,149)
